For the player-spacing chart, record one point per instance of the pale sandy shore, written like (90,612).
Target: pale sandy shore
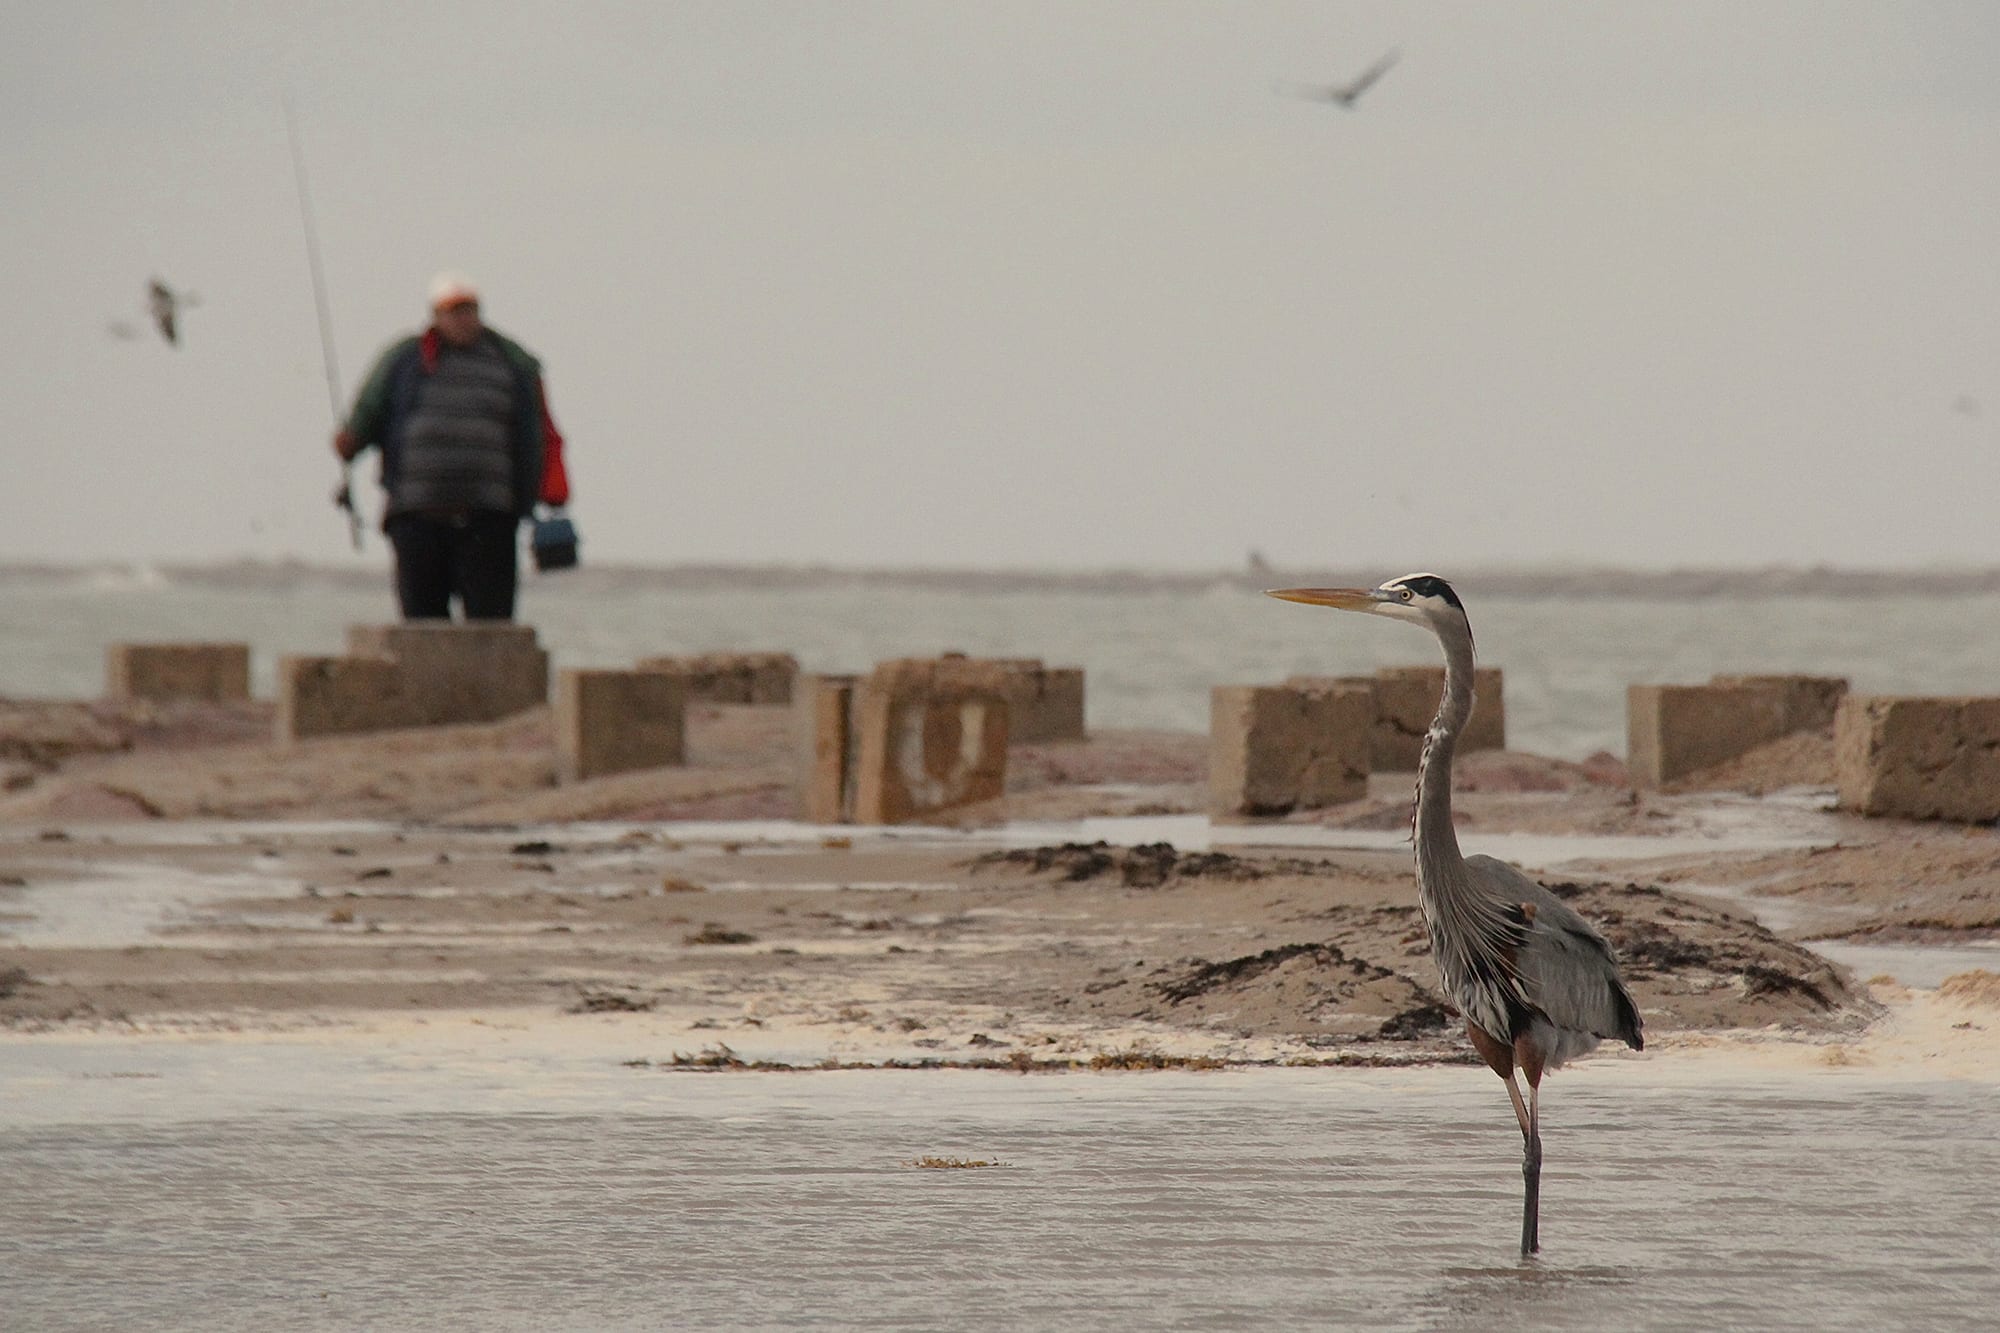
(170,872)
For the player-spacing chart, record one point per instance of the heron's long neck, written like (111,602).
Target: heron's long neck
(1435,838)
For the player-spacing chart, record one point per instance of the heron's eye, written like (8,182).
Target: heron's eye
(1406,594)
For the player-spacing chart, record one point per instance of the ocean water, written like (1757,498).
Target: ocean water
(232,1184)
(1151,653)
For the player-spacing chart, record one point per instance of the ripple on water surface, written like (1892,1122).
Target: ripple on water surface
(1269,1199)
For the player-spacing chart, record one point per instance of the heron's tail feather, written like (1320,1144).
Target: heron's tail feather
(1629,1030)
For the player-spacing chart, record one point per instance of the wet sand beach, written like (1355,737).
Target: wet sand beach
(165,867)
(170,867)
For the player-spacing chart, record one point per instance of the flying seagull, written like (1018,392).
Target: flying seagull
(1343,94)
(165,305)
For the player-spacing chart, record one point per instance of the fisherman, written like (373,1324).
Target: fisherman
(468,448)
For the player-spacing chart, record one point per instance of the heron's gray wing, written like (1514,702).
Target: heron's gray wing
(1565,966)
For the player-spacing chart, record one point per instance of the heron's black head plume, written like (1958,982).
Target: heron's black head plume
(1428,585)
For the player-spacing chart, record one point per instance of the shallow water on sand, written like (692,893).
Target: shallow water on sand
(350,1183)
(125,902)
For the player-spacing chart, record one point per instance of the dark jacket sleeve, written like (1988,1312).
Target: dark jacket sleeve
(368,423)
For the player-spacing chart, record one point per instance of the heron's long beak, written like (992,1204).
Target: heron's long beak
(1343,599)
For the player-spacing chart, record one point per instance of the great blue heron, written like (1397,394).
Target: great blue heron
(1535,981)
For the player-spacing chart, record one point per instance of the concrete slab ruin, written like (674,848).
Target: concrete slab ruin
(1044,703)
(1406,699)
(823,728)
(461,672)
(930,736)
(337,696)
(880,748)
(1274,749)
(617,721)
(1672,731)
(1808,702)
(418,674)
(731,678)
(1919,758)
(202,672)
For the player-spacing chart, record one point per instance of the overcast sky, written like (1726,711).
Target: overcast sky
(1027,284)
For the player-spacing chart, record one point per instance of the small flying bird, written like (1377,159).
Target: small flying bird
(1535,981)
(165,305)
(1343,94)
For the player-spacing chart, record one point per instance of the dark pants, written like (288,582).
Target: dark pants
(468,556)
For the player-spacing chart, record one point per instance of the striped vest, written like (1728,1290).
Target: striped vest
(456,451)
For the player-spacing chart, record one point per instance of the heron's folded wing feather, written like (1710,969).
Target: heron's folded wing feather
(1566,968)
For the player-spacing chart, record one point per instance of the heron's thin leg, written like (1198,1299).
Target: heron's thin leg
(1520,1107)
(1531,1162)
(1531,1173)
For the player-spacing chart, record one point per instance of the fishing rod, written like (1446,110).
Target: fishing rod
(343,496)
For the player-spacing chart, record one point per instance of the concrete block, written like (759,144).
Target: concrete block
(1810,702)
(1406,700)
(931,738)
(1918,758)
(460,672)
(1049,706)
(1674,730)
(413,675)
(1043,703)
(616,721)
(823,727)
(1274,748)
(332,696)
(1324,683)
(732,678)
(207,672)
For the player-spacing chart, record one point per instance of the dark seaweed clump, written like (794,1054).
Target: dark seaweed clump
(1147,866)
(1235,970)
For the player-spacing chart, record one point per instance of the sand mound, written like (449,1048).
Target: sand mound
(45,734)
(1802,759)
(1977,987)
(1310,986)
